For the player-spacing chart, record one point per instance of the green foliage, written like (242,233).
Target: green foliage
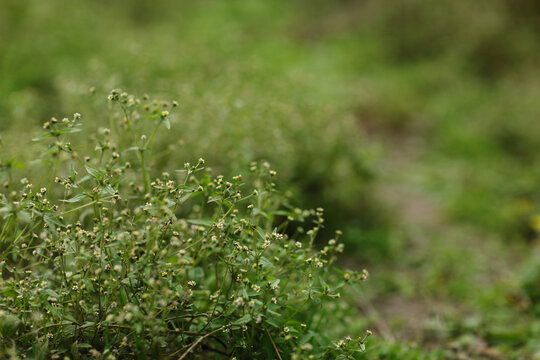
(250,91)
(103,259)
(448,89)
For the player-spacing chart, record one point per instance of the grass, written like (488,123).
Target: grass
(220,74)
(414,126)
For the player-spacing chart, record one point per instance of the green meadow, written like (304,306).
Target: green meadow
(411,126)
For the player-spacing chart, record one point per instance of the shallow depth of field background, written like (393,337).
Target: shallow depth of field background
(414,123)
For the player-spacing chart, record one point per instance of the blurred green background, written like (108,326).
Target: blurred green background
(414,123)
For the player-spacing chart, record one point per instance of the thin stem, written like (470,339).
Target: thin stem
(85,205)
(196,342)
(273,344)
(48,326)
(144,173)
(297,310)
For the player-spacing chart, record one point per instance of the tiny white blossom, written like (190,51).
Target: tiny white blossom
(239,301)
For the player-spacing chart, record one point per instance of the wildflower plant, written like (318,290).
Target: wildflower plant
(110,259)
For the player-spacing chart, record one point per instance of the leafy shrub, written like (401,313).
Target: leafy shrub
(105,260)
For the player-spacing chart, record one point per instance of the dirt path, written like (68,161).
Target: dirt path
(416,312)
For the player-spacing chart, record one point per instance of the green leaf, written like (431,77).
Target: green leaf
(6,209)
(96,174)
(229,311)
(74,351)
(76,198)
(211,200)
(71,172)
(196,274)
(257,211)
(305,338)
(8,325)
(274,322)
(261,233)
(51,292)
(189,196)
(24,216)
(202,222)
(273,313)
(53,220)
(266,263)
(123,295)
(43,136)
(70,318)
(280,212)
(83,179)
(69,130)
(167,123)
(108,189)
(243,320)
(323,283)
(41,349)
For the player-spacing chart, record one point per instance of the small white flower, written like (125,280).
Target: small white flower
(239,301)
